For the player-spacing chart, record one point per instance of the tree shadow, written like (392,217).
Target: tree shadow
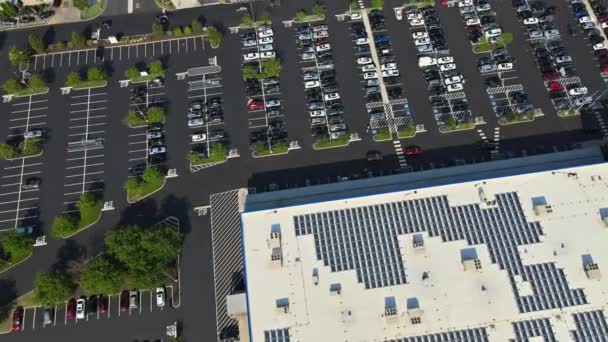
(142,214)
(180,207)
(8,293)
(68,254)
(49,36)
(49,75)
(2,39)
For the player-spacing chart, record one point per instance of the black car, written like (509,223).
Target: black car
(45,15)
(92,306)
(374,156)
(31,183)
(460,106)
(596,39)
(493,81)
(27,19)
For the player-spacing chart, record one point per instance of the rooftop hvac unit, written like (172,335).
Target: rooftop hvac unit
(418,242)
(469,259)
(315,276)
(335,289)
(282,305)
(277,256)
(540,206)
(593,271)
(604,215)
(275,236)
(390,307)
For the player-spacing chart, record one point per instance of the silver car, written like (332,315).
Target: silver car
(486,68)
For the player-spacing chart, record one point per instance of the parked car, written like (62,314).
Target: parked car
(160,296)
(70,312)
(80,308)
(17,319)
(124,301)
(412,150)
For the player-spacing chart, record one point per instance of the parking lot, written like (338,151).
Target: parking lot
(118,53)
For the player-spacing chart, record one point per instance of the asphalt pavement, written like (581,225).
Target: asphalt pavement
(298,168)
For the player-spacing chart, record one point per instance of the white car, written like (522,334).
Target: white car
(267,54)
(425,61)
(80,308)
(368,67)
(196,122)
(473,22)
(252,56)
(599,46)
(157,150)
(323,47)
(577,91)
(34,133)
(416,22)
(265,47)
(535,34)
(363,60)
(355,16)
(531,21)
(455,87)
(361,41)
(504,66)
(311,84)
(198,137)
(154,134)
(319,113)
(308,56)
(414,15)
(370,76)
(320,34)
(160,296)
(585,19)
(273,103)
(419,35)
(250,43)
(581,101)
(304,36)
(563,59)
(266,40)
(319,28)
(447,67)
(453,80)
(422,41)
(264,33)
(331,96)
(465,3)
(390,73)
(388,66)
(445,60)
(493,32)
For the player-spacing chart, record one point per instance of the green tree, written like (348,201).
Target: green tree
(215,36)
(12,86)
(155,115)
(63,225)
(78,40)
(158,30)
(187,30)
(354,5)
(8,9)
(152,175)
(301,15)
(259,147)
(156,68)
(132,184)
(270,68)
(16,56)
(36,82)
(60,45)
(36,43)
(17,246)
(177,31)
(73,79)
(132,73)
(450,122)
(53,287)
(30,147)
(80,4)
(102,275)
(249,72)
(265,17)
(196,25)
(96,74)
(90,209)
(7,151)
(377,3)
(318,9)
(146,251)
(246,20)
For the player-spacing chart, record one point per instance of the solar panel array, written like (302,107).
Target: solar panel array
(364,239)
(590,327)
(468,335)
(524,330)
(278,335)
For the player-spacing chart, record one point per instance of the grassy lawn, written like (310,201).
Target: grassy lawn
(144,190)
(420,3)
(275,150)
(383,134)
(5,264)
(257,23)
(485,46)
(25,301)
(90,84)
(168,4)
(150,77)
(407,132)
(457,127)
(31,91)
(311,17)
(195,159)
(93,11)
(324,142)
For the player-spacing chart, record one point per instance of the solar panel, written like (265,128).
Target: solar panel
(364,239)
(590,327)
(467,335)
(278,335)
(524,330)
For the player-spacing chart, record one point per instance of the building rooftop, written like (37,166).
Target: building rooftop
(500,258)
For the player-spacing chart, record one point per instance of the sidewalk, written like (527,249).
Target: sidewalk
(66,13)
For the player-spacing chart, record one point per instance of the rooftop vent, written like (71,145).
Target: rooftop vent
(414,311)
(390,306)
(275,235)
(483,197)
(346,316)
(418,242)
(540,206)
(469,259)
(315,276)
(591,268)
(283,305)
(335,289)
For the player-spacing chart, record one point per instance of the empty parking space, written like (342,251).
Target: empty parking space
(85,153)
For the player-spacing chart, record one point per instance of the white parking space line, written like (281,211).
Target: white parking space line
(22,200)
(29,110)
(84,126)
(87,110)
(18,167)
(81,166)
(34,320)
(89,157)
(22,174)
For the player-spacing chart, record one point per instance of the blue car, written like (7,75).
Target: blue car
(381,39)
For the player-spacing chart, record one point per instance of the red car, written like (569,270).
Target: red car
(605,68)
(603,18)
(17,318)
(413,150)
(550,75)
(102,304)
(70,311)
(553,86)
(255,105)
(124,301)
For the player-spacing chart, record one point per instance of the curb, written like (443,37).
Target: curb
(26,157)
(105,84)
(269,155)
(33,94)
(15,264)
(314,146)
(148,195)
(105,7)
(83,228)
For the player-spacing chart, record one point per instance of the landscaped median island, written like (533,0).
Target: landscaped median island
(217,154)
(34,85)
(137,118)
(140,187)
(153,70)
(484,44)
(512,118)
(95,78)
(14,248)
(407,131)
(452,125)
(264,18)
(318,13)
(382,134)
(260,149)
(419,3)
(88,213)
(26,148)
(323,142)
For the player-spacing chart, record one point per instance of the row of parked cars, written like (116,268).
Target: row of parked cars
(326,111)
(594,31)
(481,24)
(202,114)
(157,147)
